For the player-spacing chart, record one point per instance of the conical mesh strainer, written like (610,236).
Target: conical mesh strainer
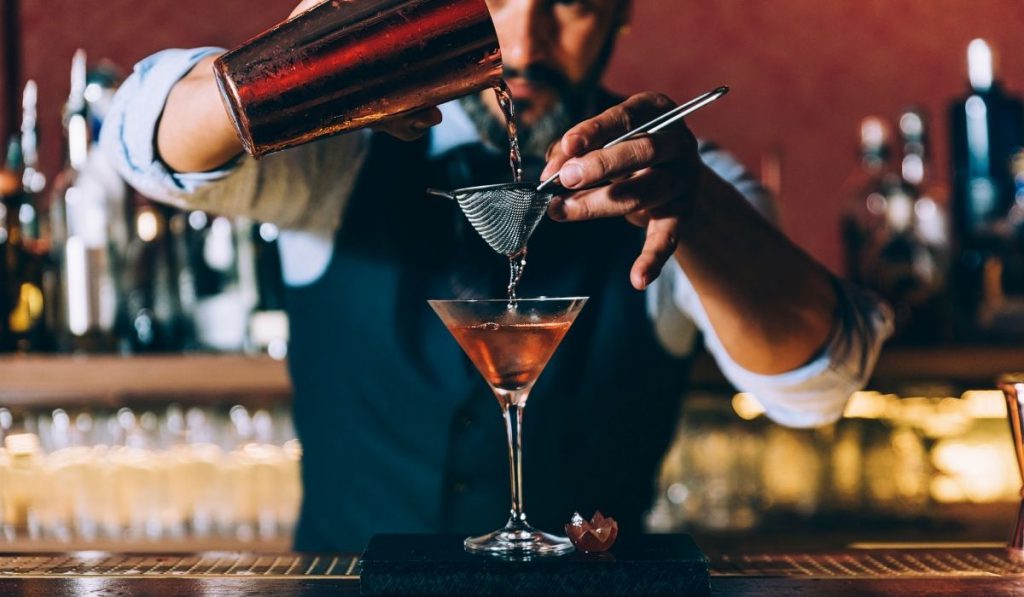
(505,215)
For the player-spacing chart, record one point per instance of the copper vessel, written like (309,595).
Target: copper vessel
(347,64)
(1012,386)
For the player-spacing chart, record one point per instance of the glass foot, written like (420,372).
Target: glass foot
(519,544)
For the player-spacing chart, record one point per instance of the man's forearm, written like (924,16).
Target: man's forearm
(771,305)
(195,133)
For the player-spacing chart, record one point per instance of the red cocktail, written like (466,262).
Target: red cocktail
(510,344)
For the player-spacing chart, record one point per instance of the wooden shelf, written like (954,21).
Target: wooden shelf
(95,380)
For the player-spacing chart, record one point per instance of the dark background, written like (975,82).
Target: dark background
(803,72)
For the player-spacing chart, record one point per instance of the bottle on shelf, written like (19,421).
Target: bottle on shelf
(152,318)
(268,323)
(894,230)
(927,238)
(865,212)
(81,239)
(34,218)
(987,137)
(221,291)
(22,302)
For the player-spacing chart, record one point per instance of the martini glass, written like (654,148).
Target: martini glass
(510,344)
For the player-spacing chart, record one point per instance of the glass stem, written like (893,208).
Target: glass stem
(512,406)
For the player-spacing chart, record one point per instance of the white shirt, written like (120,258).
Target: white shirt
(304,191)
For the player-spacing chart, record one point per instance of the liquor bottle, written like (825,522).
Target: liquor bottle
(928,237)
(987,131)
(35,220)
(864,213)
(931,215)
(33,180)
(223,281)
(151,317)
(79,221)
(10,189)
(268,323)
(22,303)
(895,234)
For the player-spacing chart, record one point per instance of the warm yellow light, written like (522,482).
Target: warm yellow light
(865,405)
(293,449)
(22,444)
(28,309)
(952,456)
(985,404)
(147,226)
(747,406)
(948,418)
(946,490)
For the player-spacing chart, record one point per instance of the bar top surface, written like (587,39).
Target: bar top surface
(933,570)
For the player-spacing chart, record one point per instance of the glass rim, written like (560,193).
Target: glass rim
(539,299)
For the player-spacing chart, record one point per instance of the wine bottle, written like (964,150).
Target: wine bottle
(867,188)
(987,131)
(152,317)
(22,305)
(895,231)
(268,323)
(928,243)
(79,215)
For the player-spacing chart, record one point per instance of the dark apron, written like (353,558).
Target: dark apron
(401,434)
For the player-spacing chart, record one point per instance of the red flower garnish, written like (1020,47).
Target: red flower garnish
(595,536)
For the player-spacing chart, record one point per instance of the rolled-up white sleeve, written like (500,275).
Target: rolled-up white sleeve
(304,188)
(816,393)
(811,395)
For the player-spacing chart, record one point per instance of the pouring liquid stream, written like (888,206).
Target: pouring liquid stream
(516,262)
(508,110)
(516,265)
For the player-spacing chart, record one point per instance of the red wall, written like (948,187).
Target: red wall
(803,72)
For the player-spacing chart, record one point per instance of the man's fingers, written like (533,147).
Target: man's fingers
(595,132)
(555,158)
(622,159)
(647,190)
(658,248)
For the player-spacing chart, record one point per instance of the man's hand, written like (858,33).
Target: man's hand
(650,180)
(406,127)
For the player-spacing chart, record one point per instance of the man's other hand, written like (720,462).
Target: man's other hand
(651,180)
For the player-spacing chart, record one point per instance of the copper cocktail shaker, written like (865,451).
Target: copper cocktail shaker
(347,64)
(1012,386)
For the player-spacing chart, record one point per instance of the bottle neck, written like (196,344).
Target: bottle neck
(872,160)
(77,141)
(914,168)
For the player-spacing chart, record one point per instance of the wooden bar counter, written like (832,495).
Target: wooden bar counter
(906,571)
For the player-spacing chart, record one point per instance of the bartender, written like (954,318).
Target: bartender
(399,432)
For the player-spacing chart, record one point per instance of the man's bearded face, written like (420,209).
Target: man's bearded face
(554,52)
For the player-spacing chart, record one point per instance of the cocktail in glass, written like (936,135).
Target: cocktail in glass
(510,344)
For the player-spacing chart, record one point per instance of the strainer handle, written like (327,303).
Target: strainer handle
(440,193)
(656,124)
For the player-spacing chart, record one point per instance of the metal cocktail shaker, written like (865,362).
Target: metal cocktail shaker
(347,64)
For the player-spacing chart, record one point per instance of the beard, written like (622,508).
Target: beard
(534,138)
(575,103)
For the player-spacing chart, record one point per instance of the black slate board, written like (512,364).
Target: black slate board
(438,565)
